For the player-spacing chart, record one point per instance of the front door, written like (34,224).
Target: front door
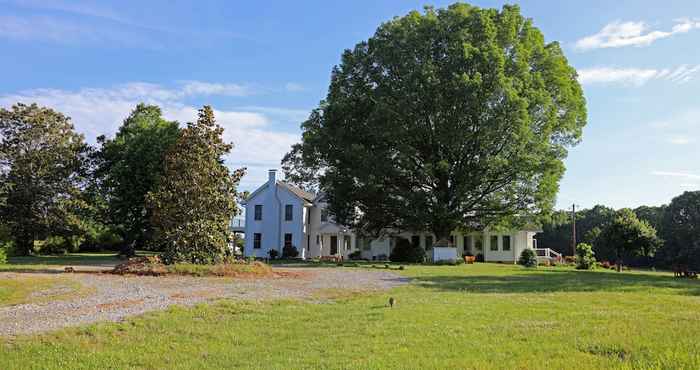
(334,245)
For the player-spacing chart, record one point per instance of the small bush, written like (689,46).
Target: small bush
(290,251)
(273,254)
(405,251)
(479,257)
(585,259)
(3,256)
(356,255)
(528,258)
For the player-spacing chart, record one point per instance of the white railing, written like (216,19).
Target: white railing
(547,253)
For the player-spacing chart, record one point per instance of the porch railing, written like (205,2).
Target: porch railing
(547,253)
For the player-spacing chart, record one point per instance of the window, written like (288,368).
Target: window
(258,212)
(415,240)
(257,240)
(318,241)
(308,215)
(479,243)
(428,241)
(452,240)
(467,243)
(287,240)
(346,240)
(506,242)
(288,212)
(308,242)
(324,215)
(494,242)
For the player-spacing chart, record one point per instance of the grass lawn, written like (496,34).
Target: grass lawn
(469,316)
(33,289)
(53,262)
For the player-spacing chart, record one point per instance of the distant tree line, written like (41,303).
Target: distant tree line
(154,185)
(658,236)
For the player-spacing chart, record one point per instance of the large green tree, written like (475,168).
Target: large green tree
(627,236)
(681,230)
(130,166)
(449,118)
(195,199)
(41,169)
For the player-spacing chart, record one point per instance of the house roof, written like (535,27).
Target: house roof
(301,193)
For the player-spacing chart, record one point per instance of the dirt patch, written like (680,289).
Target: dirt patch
(119,304)
(153,266)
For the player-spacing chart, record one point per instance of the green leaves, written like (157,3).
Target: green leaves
(41,163)
(196,197)
(130,166)
(455,117)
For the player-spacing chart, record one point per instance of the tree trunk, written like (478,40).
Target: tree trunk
(619,262)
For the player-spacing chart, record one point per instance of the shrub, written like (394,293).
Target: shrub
(290,251)
(585,259)
(273,253)
(3,256)
(451,262)
(405,251)
(528,258)
(356,255)
(479,257)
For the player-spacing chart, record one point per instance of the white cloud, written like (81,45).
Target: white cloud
(208,88)
(97,111)
(684,175)
(620,34)
(636,76)
(294,87)
(680,140)
(690,185)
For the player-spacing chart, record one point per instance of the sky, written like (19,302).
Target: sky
(264,65)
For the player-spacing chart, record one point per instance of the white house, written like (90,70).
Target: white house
(279,214)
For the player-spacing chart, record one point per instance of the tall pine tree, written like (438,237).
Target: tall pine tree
(196,197)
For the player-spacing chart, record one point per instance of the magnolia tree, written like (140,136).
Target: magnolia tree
(451,118)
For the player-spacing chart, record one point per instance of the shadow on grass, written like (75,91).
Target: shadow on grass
(550,281)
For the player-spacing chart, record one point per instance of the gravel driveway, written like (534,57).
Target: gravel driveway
(117,297)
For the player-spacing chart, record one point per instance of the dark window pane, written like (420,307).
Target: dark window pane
(506,242)
(258,212)
(257,240)
(494,242)
(287,240)
(288,212)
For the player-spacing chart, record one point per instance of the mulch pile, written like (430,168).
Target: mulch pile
(144,266)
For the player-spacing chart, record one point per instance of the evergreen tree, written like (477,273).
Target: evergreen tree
(196,196)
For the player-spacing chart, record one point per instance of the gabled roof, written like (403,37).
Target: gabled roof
(302,194)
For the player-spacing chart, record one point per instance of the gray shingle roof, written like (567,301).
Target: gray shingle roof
(303,194)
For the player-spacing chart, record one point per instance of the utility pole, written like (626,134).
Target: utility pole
(573,230)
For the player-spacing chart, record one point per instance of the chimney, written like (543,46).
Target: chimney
(272,177)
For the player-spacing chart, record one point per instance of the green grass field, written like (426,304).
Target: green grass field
(469,316)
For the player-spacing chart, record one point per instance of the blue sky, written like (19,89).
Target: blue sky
(263,66)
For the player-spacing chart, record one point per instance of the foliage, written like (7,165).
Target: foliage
(130,166)
(626,236)
(681,230)
(3,256)
(405,251)
(356,255)
(556,228)
(528,258)
(454,117)
(273,254)
(42,160)
(154,266)
(585,257)
(196,196)
(290,251)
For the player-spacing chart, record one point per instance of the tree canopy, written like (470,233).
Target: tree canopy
(627,236)
(195,199)
(130,166)
(450,118)
(41,168)
(681,230)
